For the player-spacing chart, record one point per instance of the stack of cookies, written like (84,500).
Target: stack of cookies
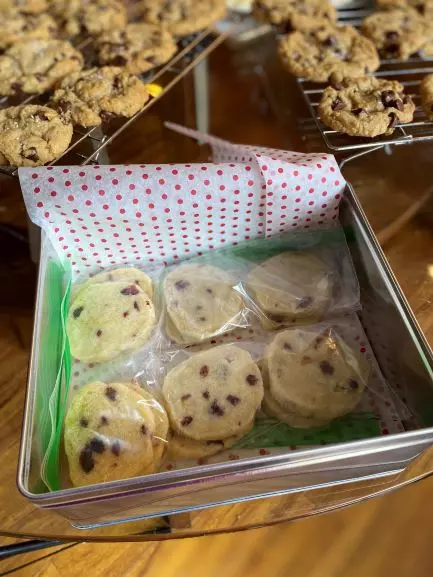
(113,431)
(311,377)
(38,56)
(110,314)
(315,47)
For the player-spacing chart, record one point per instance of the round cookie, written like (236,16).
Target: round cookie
(91,96)
(180,447)
(214,394)
(315,374)
(200,301)
(106,319)
(321,51)
(108,434)
(32,135)
(426,90)
(183,17)
(295,284)
(293,14)
(24,6)
(128,274)
(396,33)
(365,106)
(35,66)
(93,17)
(139,47)
(17,27)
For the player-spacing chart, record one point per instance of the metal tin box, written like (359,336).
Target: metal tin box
(403,355)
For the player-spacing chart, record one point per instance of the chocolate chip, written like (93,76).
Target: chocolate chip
(186,421)
(125,314)
(398,104)
(185,397)
(353,384)
(304,302)
(202,319)
(86,459)
(317,342)
(136,306)
(98,332)
(103,421)
(387,96)
(357,111)
(215,443)
(330,41)
(392,35)
(111,393)
(306,360)
(115,448)
(181,285)
(251,380)
(97,445)
(42,116)
(31,154)
(204,371)
(326,368)
(84,422)
(233,399)
(16,86)
(338,104)
(210,291)
(77,312)
(64,105)
(117,83)
(216,409)
(393,120)
(205,394)
(287,347)
(39,76)
(143,430)
(391,49)
(118,61)
(130,290)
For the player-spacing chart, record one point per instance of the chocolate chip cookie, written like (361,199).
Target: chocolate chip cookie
(424,7)
(321,51)
(91,96)
(25,6)
(396,33)
(426,91)
(365,106)
(292,15)
(92,17)
(32,135)
(35,66)
(182,17)
(16,27)
(214,394)
(139,47)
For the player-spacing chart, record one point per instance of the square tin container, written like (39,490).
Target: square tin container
(402,352)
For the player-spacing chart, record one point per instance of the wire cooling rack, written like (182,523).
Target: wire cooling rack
(87,144)
(409,73)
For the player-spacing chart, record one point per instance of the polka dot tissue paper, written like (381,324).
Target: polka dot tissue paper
(100,216)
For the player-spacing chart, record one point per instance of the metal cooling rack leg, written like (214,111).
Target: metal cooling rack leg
(102,156)
(201,94)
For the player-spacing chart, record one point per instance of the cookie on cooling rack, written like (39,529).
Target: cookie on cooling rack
(17,27)
(24,6)
(139,47)
(317,53)
(426,91)
(183,17)
(92,17)
(424,7)
(365,106)
(35,66)
(32,135)
(293,14)
(397,33)
(91,96)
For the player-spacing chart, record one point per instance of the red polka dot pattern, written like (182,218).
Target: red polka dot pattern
(108,215)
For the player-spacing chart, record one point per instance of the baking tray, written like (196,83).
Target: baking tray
(391,329)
